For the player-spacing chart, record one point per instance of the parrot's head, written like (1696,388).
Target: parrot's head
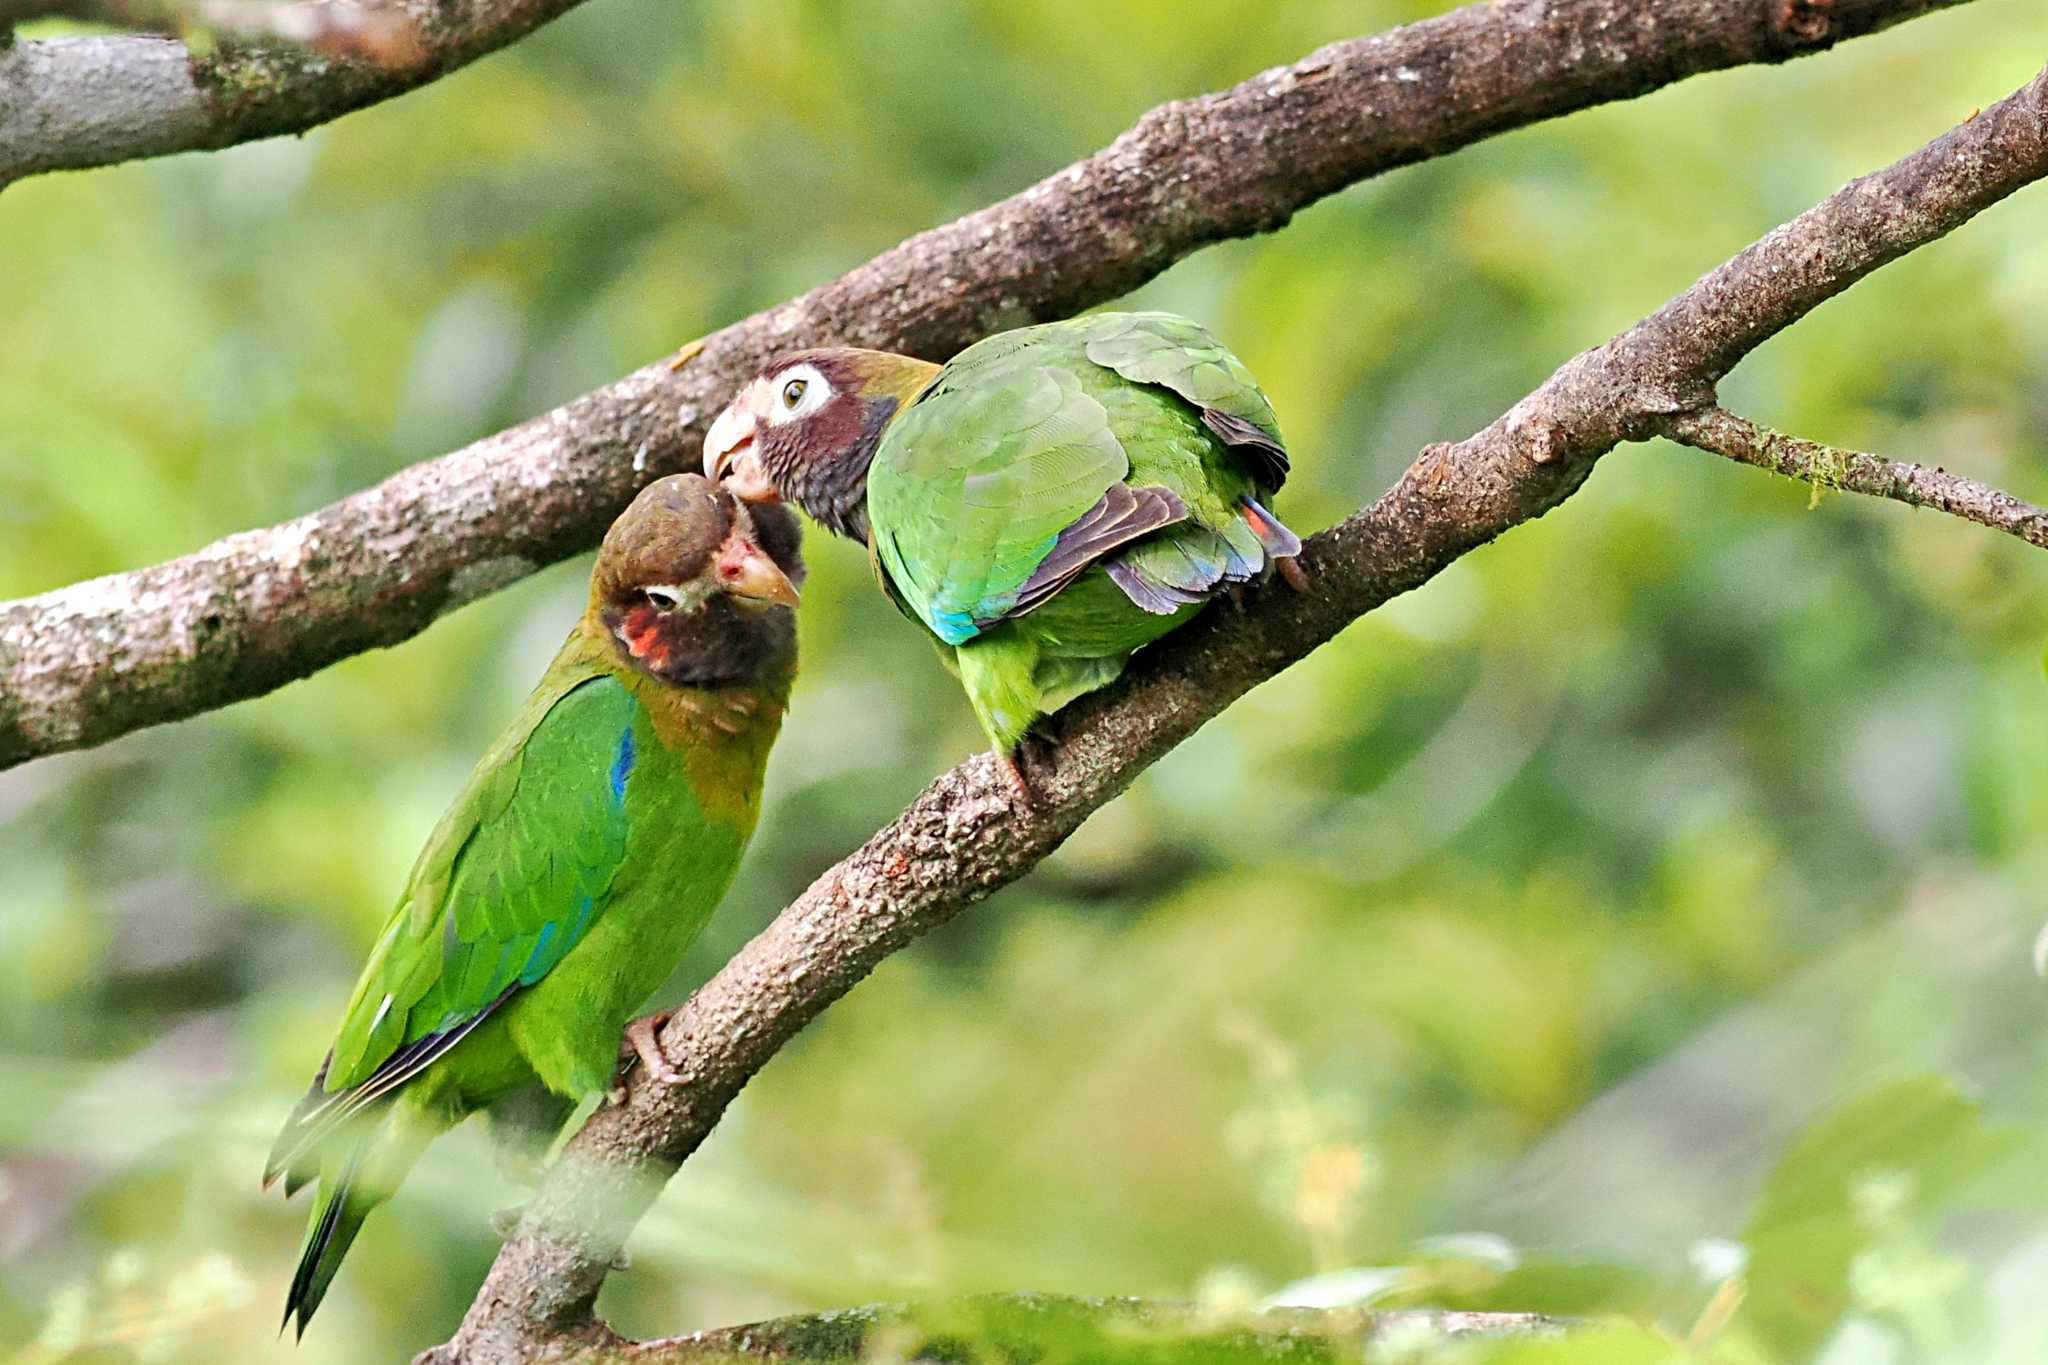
(805,428)
(696,587)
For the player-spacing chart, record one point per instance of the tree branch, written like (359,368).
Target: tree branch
(1039,1326)
(961,839)
(72,103)
(1721,432)
(377,31)
(249,613)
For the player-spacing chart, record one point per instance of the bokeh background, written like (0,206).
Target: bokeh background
(1637,919)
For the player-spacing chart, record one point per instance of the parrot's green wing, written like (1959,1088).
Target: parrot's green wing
(1180,355)
(988,496)
(509,882)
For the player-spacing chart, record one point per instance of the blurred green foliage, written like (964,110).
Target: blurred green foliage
(1495,956)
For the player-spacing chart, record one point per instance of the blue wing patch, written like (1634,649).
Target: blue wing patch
(622,766)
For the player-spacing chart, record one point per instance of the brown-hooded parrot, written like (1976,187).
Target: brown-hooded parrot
(588,849)
(1050,500)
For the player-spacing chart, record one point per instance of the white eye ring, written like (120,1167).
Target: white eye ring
(811,389)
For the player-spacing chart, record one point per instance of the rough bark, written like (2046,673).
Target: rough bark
(1827,467)
(249,613)
(962,838)
(1035,1326)
(76,102)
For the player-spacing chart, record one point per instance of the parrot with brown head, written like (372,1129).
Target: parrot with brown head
(1046,503)
(585,853)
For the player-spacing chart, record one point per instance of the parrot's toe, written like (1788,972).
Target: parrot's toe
(1012,764)
(641,1045)
(1291,570)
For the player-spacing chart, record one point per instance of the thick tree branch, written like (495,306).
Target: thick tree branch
(73,103)
(961,839)
(259,609)
(378,31)
(1721,432)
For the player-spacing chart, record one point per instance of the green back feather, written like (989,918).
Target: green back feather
(1020,435)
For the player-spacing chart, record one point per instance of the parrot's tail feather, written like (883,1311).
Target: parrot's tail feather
(1280,542)
(282,1150)
(1149,593)
(375,1163)
(320,1113)
(328,1239)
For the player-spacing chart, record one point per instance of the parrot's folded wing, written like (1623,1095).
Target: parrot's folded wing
(973,486)
(510,882)
(1180,355)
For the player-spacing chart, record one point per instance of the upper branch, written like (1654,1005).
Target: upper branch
(259,609)
(73,103)
(962,839)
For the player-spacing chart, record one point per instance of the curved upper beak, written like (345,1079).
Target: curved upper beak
(729,453)
(745,570)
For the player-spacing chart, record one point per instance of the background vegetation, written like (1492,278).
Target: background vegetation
(1646,902)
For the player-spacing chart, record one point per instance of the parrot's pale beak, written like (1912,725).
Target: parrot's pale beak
(729,454)
(745,570)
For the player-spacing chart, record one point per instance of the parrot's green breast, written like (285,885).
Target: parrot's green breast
(562,887)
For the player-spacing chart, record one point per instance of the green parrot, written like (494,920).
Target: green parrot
(587,850)
(1050,500)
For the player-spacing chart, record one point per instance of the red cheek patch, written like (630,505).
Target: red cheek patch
(641,630)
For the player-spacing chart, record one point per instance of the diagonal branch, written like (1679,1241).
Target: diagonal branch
(960,839)
(254,611)
(1721,432)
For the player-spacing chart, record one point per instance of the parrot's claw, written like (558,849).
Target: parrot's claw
(1020,786)
(1291,570)
(641,1045)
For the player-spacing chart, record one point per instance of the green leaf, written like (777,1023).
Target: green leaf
(1910,1144)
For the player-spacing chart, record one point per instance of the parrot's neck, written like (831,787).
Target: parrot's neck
(722,736)
(835,492)
(720,732)
(717,644)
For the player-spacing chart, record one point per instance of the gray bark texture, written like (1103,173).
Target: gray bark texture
(87,663)
(72,103)
(963,837)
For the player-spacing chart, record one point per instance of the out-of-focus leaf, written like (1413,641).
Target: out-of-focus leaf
(1812,1218)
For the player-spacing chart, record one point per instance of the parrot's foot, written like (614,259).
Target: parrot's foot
(1291,570)
(641,1045)
(505,1221)
(1020,786)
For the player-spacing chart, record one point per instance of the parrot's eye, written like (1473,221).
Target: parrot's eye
(661,599)
(802,392)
